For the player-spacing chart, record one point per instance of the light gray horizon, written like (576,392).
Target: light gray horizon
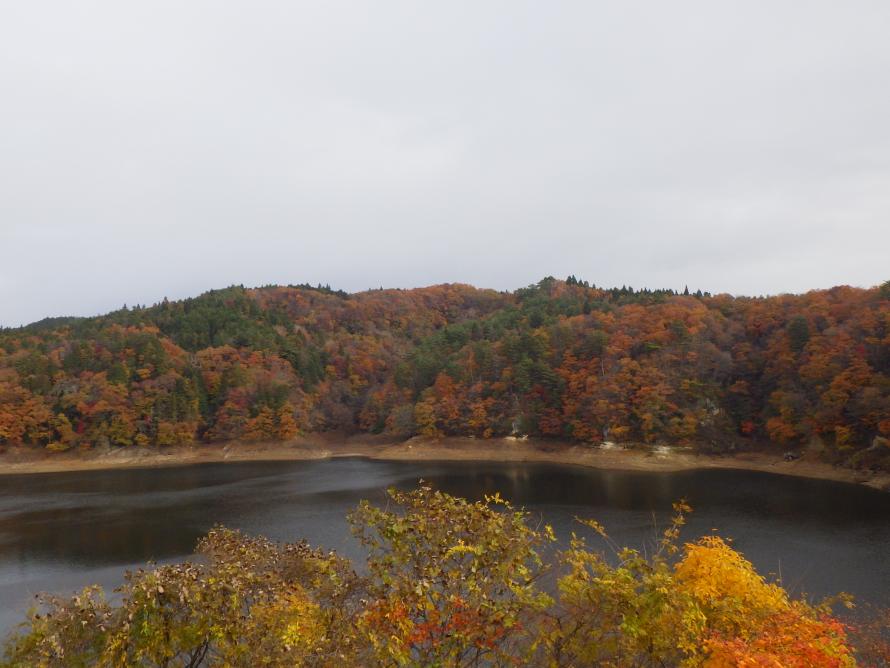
(152,150)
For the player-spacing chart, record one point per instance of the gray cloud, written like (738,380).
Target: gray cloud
(161,149)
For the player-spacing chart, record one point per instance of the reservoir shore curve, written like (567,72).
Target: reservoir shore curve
(325,446)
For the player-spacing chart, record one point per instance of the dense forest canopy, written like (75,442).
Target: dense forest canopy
(561,358)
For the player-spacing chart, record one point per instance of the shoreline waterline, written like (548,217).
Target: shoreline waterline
(325,446)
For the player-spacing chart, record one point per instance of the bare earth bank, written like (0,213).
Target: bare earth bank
(323,446)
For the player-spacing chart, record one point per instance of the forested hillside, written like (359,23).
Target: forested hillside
(558,359)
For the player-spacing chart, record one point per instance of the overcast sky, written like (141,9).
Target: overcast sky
(160,149)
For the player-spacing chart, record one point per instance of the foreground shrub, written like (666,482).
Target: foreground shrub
(252,603)
(449,583)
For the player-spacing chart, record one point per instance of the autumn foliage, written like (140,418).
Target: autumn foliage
(447,583)
(558,359)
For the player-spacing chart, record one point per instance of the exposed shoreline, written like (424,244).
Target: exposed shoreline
(326,446)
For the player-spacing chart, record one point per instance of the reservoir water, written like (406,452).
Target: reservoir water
(62,531)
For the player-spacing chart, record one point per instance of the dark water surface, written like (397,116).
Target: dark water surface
(61,531)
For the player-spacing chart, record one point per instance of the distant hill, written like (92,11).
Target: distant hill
(560,358)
